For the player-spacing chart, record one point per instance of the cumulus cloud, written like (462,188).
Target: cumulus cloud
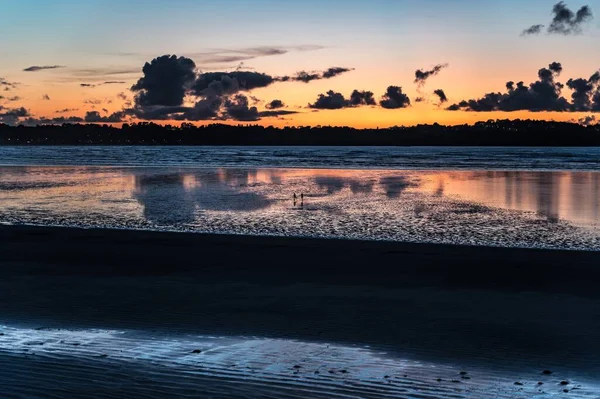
(564,21)
(394,98)
(95,117)
(228,83)
(567,22)
(421,76)
(275,104)
(334,100)
(37,68)
(238,108)
(542,95)
(588,120)
(165,82)
(441,95)
(11,116)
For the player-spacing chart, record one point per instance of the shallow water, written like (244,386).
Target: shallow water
(129,363)
(542,209)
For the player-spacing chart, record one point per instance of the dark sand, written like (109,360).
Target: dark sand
(511,312)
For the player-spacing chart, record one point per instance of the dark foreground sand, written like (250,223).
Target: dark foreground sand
(98,313)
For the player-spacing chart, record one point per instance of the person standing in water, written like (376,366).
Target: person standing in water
(295,199)
(302,200)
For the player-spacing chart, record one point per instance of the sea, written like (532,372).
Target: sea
(508,197)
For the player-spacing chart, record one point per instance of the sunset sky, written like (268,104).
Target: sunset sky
(79,46)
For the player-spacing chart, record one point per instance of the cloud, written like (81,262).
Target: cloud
(276,113)
(307,77)
(586,93)
(394,98)
(165,82)
(533,30)
(11,116)
(334,100)
(441,95)
(92,102)
(87,85)
(227,83)
(122,96)
(8,85)
(330,100)
(12,99)
(114,82)
(51,121)
(542,95)
(588,120)
(275,104)
(37,68)
(46,97)
(95,117)
(65,110)
(421,75)
(224,56)
(358,98)
(567,22)
(564,22)
(237,108)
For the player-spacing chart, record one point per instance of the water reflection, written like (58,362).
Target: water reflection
(346,203)
(569,196)
(176,198)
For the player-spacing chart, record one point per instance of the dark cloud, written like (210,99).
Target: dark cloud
(275,113)
(11,116)
(228,83)
(165,82)
(65,110)
(46,97)
(564,22)
(542,95)
(37,68)
(330,100)
(13,99)
(87,85)
(122,96)
(358,98)
(238,108)
(114,82)
(394,98)
(586,93)
(420,99)
(51,121)
(8,85)
(567,22)
(307,77)
(421,75)
(275,104)
(95,117)
(92,102)
(533,30)
(441,95)
(334,100)
(588,120)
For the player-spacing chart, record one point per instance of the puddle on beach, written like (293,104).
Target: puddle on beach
(525,209)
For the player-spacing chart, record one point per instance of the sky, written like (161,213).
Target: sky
(91,54)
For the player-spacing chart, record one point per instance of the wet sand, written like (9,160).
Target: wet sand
(290,317)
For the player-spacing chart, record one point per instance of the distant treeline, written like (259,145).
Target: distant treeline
(490,133)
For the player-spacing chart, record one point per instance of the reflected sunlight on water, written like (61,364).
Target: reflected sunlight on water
(531,209)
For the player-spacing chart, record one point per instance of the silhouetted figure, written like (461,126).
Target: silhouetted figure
(302,200)
(295,199)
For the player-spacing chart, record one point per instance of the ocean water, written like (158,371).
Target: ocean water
(415,158)
(454,196)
